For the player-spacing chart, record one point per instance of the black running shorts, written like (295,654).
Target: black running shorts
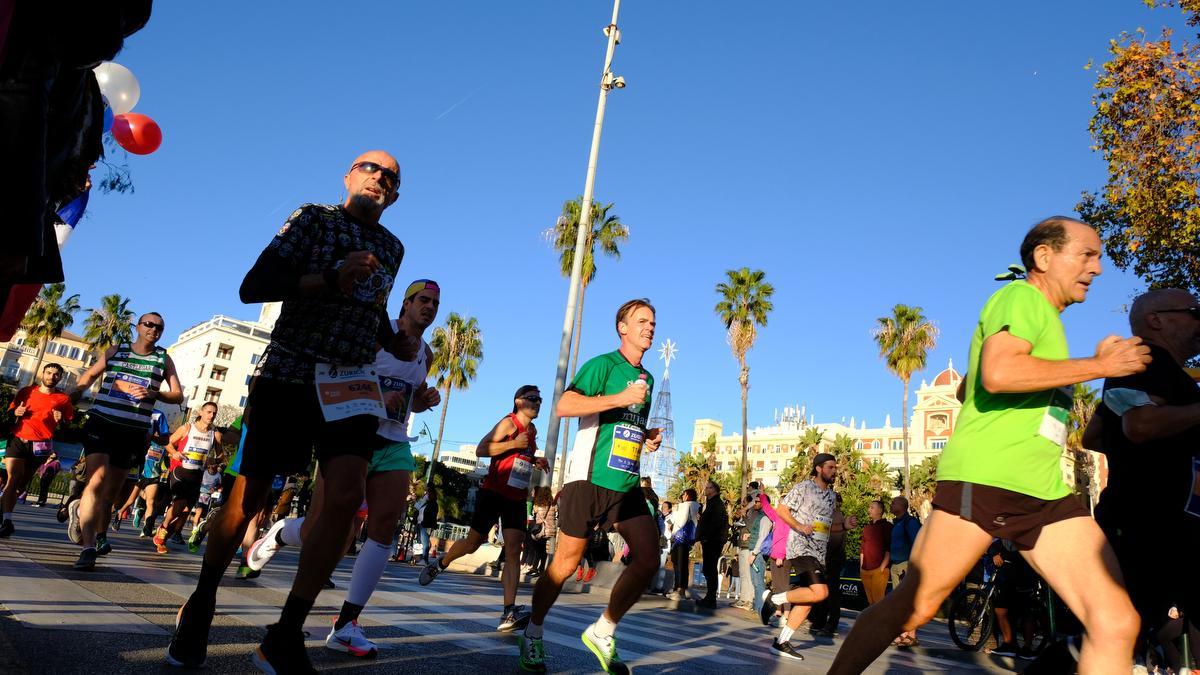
(125,445)
(283,425)
(185,487)
(582,504)
(808,570)
(492,507)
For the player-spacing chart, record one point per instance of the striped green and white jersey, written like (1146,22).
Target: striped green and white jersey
(126,368)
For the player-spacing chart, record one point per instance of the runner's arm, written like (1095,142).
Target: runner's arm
(785,514)
(1151,422)
(174,393)
(180,433)
(494,444)
(574,404)
(89,376)
(1007,367)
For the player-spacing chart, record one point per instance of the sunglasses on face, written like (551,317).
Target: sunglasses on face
(152,326)
(1193,311)
(532,399)
(390,178)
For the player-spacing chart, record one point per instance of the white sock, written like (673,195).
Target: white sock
(368,570)
(603,627)
(290,534)
(533,630)
(779,598)
(785,634)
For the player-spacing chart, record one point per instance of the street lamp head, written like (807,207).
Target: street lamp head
(618,82)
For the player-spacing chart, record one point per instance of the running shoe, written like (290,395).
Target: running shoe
(177,538)
(515,617)
(264,548)
(282,651)
(767,610)
(61,514)
(786,649)
(86,560)
(189,644)
(137,518)
(244,572)
(6,529)
(605,649)
(351,640)
(160,547)
(533,654)
(74,533)
(193,543)
(102,545)
(429,573)
(591,574)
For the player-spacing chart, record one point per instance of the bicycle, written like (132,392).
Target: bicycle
(972,617)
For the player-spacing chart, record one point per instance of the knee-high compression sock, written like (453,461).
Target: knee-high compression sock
(295,611)
(289,534)
(368,570)
(210,578)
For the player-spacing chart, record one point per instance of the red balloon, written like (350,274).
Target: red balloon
(137,133)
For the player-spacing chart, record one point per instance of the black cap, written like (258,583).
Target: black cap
(525,390)
(820,459)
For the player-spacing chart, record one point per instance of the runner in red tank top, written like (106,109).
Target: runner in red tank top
(502,498)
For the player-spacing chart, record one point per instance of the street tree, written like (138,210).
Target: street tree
(904,340)
(47,318)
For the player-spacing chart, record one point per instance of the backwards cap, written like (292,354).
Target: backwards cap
(420,285)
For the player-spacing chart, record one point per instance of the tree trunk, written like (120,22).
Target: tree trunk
(566,423)
(441,428)
(744,380)
(904,426)
(41,355)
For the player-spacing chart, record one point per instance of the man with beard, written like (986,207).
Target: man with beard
(38,411)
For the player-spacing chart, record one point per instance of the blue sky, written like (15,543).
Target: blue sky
(862,154)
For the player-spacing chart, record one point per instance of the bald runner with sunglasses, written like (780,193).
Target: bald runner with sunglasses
(332,267)
(117,430)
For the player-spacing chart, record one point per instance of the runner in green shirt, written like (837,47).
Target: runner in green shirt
(611,397)
(999,476)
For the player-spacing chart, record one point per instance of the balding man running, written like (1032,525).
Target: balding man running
(333,267)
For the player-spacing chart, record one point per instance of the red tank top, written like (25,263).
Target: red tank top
(510,473)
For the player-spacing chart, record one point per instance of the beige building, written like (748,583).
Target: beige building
(771,448)
(463,460)
(68,351)
(216,359)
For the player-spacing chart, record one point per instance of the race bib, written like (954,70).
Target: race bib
(40,448)
(194,461)
(626,449)
(204,497)
(820,531)
(155,451)
(522,470)
(394,385)
(123,384)
(1054,422)
(347,391)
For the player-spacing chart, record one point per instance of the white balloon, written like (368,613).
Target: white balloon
(119,86)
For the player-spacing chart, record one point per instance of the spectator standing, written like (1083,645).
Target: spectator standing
(745,552)
(760,527)
(875,556)
(904,532)
(427,518)
(46,474)
(681,533)
(777,557)
(712,532)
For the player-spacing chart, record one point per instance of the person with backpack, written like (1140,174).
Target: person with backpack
(904,532)
(760,527)
(681,533)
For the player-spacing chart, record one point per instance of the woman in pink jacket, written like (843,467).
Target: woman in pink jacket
(779,567)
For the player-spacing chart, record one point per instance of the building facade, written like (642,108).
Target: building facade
(771,448)
(464,461)
(20,358)
(217,358)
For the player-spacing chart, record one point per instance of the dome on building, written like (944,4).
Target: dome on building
(948,377)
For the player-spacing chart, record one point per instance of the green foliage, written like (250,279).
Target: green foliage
(607,230)
(47,318)
(924,481)
(904,340)
(109,324)
(452,489)
(457,351)
(1147,128)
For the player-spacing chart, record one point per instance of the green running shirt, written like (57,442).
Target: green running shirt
(608,446)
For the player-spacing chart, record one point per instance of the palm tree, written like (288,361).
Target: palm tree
(457,351)
(47,318)
(109,324)
(744,305)
(811,441)
(1083,406)
(904,340)
(849,458)
(609,232)
(877,476)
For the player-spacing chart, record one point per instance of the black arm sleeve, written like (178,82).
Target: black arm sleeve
(270,280)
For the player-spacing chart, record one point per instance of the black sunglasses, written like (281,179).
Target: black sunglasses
(1194,311)
(390,176)
(532,399)
(152,326)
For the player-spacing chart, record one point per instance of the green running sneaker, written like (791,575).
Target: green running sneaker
(533,654)
(605,649)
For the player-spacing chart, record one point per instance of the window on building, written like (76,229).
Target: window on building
(774,466)
(858,445)
(218,373)
(248,380)
(19,341)
(200,373)
(254,358)
(242,402)
(195,390)
(13,371)
(212,395)
(754,449)
(75,353)
(938,444)
(758,466)
(225,352)
(52,348)
(876,445)
(207,348)
(897,443)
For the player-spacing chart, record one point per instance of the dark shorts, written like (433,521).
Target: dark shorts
(185,487)
(1003,513)
(283,425)
(582,504)
(808,570)
(1016,591)
(492,507)
(19,448)
(144,482)
(125,445)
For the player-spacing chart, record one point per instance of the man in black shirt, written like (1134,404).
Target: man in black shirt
(712,532)
(1149,427)
(332,266)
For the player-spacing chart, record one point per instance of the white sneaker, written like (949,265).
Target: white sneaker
(74,533)
(351,640)
(261,551)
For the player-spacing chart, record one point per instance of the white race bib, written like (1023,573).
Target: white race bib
(522,470)
(347,391)
(1054,421)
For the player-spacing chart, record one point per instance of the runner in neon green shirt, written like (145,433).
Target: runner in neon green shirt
(998,476)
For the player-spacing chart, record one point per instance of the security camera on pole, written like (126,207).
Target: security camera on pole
(608,82)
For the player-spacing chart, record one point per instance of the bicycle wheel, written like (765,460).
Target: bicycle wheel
(971,619)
